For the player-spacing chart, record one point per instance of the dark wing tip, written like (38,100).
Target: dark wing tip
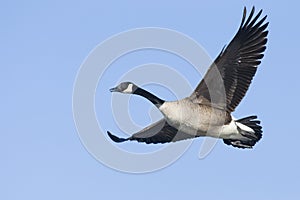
(250,19)
(244,16)
(250,16)
(115,138)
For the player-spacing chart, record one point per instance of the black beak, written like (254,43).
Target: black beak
(115,89)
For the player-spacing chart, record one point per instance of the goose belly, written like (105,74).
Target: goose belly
(193,118)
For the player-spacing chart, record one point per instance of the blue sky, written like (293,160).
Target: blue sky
(44,43)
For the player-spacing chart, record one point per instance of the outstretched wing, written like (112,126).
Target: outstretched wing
(159,132)
(228,78)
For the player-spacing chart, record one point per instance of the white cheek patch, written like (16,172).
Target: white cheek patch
(128,89)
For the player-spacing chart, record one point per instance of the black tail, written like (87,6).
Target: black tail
(252,138)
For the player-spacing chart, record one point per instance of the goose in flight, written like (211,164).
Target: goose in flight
(207,111)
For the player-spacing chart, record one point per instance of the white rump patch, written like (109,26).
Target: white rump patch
(244,127)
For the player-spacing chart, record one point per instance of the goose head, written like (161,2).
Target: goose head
(125,87)
(131,88)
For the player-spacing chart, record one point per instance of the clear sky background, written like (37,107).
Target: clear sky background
(43,44)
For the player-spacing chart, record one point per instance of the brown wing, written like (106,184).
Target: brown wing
(159,132)
(228,78)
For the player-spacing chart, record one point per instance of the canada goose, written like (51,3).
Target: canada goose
(198,115)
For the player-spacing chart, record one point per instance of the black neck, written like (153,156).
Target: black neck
(154,99)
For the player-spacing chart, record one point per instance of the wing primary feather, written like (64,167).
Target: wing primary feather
(115,138)
(255,19)
(244,16)
(250,16)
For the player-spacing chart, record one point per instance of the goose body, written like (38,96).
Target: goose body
(207,111)
(202,120)
(194,119)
